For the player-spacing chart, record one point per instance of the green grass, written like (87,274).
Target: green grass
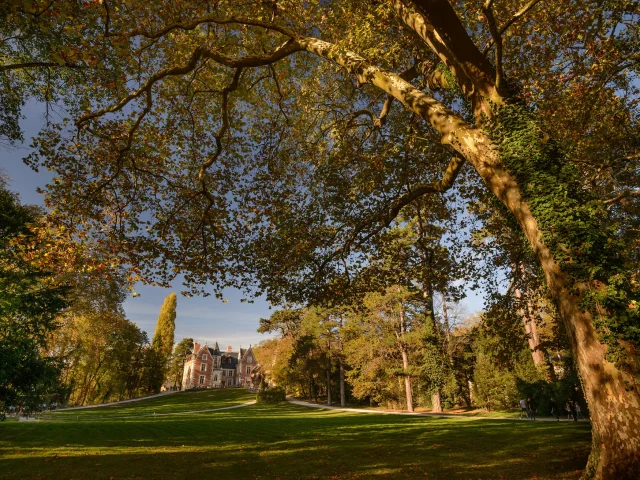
(283,441)
(173,403)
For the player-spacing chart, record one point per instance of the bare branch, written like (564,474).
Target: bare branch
(18,66)
(519,14)
(497,38)
(622,195)
(107,19)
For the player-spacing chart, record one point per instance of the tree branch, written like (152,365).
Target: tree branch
(438,24)
(198,54)
(17,66)
(224,127)
(497,38)
(387,216)
(407,75)
(211,19)
(622,195)
(519,14)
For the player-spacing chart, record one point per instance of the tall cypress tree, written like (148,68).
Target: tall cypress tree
(162,344)
(163,336)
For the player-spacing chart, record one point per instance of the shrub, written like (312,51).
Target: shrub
(271,395)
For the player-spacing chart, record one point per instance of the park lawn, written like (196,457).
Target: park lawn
(195,401)
(286,441)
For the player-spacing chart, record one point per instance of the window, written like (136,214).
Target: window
(204,356)
(249,359)
(248,370)
(203,367)
(201,379)
(215,378)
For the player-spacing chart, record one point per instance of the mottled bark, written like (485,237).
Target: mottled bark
(437,24)
(436,404)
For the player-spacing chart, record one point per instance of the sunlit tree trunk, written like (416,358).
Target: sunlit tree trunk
(340,364)
(328,379)
(342,393)
(531,329)
(405,364)
(436,404)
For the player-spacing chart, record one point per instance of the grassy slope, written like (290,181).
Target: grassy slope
(172,403)
(284,441)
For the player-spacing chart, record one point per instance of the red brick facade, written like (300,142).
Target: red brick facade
(208,367)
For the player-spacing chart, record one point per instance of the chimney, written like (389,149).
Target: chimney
(229,348)
(196,347)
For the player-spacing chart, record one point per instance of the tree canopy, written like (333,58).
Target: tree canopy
(262,145)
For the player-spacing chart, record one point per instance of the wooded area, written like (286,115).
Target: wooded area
(332,154)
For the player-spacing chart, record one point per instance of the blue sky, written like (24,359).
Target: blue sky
(206,319)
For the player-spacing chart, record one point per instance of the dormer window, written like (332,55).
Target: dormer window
(249,359)
(204,356)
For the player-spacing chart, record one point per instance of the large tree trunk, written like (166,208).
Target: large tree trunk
(531,329)
(436,404)
(342,395)
(405,365)
(447,330)
(407,380)
(328,380)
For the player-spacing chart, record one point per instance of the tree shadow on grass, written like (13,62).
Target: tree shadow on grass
(294,442)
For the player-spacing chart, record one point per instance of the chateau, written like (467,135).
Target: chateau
(208,367)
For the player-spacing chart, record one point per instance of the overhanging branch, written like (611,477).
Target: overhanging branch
(198,54)
(384,218)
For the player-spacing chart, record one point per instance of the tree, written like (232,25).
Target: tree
(103,354)
(163,335)
(30,299)
(156,364)
(390,326)
(255,144)
(176,363)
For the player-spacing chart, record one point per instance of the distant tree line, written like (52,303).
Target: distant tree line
(64,337)
(397,336)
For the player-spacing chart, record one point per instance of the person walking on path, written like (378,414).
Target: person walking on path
(531,407)
(554,410)
(572,410)
(523,408)
(579,411)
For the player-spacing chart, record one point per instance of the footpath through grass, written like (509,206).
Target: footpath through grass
(283,441)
